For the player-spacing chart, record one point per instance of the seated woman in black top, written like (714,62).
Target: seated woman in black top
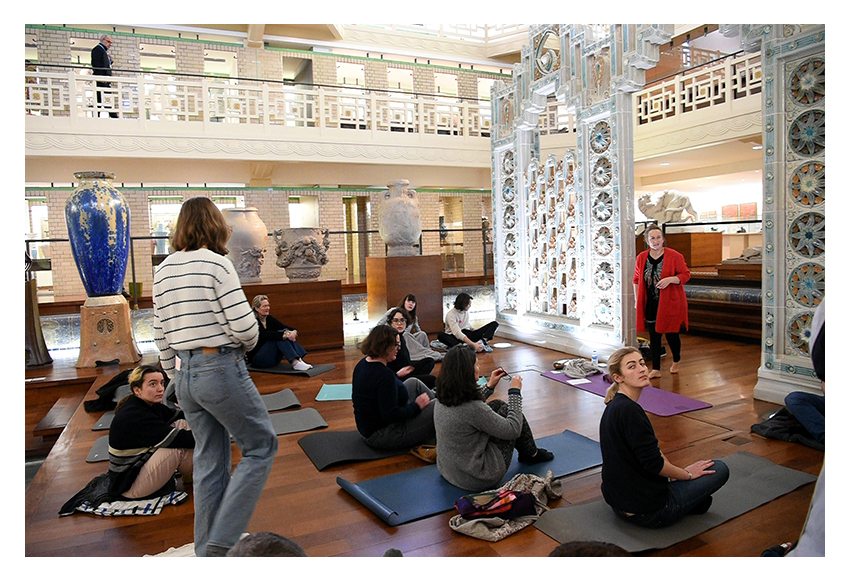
(148,441)
(402,365)
(389,414)
(276,341)
(638,481)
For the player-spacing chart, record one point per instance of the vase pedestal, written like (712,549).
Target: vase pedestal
(389,279)
(35,348)
(106,332)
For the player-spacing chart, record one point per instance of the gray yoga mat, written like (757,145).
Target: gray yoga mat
(753,481)
(99,451)
(328,448)
(286,368)
(417,493)
(105,421)
(286,398)
(297,421)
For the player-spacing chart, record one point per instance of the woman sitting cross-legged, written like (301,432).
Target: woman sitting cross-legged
(389,413)
(638,481)
(476,439)
(148,441)
(416,339)
(458,330)
(276,341)
(402,365)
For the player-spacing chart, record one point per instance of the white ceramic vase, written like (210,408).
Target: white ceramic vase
(400,224)
(247,243)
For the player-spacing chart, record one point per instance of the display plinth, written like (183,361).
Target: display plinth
(389,279)
(35,348)
(106,332)
(314,308)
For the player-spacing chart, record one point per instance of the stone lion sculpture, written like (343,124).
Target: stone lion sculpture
(667,206)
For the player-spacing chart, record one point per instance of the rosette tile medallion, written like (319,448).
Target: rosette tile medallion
(807,284)
(807,234)
(808,184)
(98,219)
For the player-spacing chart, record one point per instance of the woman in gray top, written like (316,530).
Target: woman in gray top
(476,439)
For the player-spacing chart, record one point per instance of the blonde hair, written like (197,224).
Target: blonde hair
(258,300)
(614,368)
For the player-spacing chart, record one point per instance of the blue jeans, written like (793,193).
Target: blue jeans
(272,353)
(809,409)
(219,400)
(682,498)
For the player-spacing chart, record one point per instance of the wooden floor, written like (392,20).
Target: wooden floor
(309,507)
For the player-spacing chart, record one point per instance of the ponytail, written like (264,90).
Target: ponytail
(614,368)
(611,392)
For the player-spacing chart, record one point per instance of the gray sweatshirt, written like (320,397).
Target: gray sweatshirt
(466,455)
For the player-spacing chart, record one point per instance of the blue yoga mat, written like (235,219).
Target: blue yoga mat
(334,392)
(418,493)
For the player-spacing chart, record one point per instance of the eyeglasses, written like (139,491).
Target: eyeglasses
(397,320)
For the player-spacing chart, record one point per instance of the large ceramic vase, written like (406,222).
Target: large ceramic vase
(400,224)
(302,252)
(98,219)
(247,243)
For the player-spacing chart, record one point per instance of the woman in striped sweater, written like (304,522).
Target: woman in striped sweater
(203,325)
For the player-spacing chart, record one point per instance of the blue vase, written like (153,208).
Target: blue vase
(98,219)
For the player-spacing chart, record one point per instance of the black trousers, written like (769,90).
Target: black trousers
(484,332)
(673,340)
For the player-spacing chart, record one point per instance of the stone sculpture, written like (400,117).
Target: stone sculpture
(300,253)
(668,206)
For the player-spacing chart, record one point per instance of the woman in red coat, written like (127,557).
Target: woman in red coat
(660,298)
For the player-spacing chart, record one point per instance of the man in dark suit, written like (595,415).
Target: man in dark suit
(101,64)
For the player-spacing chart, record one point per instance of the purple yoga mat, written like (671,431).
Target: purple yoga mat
(652,399)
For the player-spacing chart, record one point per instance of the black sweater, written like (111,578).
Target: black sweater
(271,332)
(136,432)
(379,398)
(631,459)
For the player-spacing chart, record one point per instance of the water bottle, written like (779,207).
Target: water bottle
(594,359)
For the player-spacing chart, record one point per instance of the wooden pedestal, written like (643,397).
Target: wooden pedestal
(389,279)
(313,308)
(106,332)
(35,348)
(700,249)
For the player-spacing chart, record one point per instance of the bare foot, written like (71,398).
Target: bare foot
(674,369)
(654,374)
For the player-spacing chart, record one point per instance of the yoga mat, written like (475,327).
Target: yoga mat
(753,481)
(99,451)
(334,392)
(418,493)
(105,421)
(286,368)
(328,448)
(297,421)
(654,400)
(279,400)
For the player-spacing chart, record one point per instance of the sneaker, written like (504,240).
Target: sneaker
(438,345)
(487,348)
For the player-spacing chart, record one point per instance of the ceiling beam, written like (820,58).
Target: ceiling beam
(255,36)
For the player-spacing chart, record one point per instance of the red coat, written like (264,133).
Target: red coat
(672,304)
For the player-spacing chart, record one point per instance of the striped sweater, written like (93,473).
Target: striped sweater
(198,302)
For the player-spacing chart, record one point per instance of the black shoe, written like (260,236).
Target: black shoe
(541,456)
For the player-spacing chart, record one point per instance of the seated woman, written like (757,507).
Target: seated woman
(402,365)
(638,481)
(389,413)
(458,330)
(276,341)
(417,343)
(476,439)
(148,441)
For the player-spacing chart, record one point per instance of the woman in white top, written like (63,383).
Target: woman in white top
(458,330)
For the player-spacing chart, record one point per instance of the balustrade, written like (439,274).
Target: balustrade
(169,98)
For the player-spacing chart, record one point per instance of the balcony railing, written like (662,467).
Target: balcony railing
(162,97)
(734,78)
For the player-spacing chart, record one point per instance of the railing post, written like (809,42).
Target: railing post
(205,104)
(266,107)
(73,104)
(320,116)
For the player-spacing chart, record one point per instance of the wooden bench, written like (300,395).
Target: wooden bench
(56,419)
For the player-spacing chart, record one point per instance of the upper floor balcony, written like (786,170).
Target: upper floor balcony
(168,115)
